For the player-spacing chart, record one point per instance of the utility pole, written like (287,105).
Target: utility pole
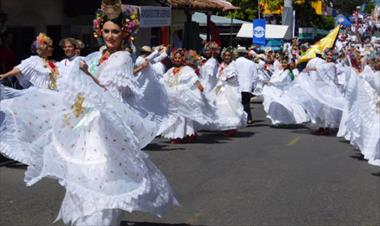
(287,18)
(258,7)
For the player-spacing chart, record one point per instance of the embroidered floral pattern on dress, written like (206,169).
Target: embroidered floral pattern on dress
(77,107)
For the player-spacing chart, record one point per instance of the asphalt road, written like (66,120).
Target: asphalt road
(264,176)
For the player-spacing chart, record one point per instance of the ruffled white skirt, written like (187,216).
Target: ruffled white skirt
(229,112)
(188,111)
(323,102)
(92,148)
(361,122)
(281,106)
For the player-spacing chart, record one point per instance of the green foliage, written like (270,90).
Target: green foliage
(273,4)
(305,14)
(347,7)
(248,10)
(326,23)
(369,7)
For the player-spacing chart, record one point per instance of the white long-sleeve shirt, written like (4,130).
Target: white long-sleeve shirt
(247,73)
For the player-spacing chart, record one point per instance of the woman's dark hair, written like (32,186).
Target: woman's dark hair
(118,20)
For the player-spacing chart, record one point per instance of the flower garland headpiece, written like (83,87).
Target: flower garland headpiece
(180,51)
(124,15)
(193,59)
(212,47)
(177,50)
(229,49)
(43,39)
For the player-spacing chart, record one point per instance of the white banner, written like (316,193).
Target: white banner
(152,16)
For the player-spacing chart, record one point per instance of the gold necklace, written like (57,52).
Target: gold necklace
(53,75)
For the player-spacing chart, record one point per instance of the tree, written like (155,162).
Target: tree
(273,5)
(305,13)
(347,7)
(369,7)
(248,10)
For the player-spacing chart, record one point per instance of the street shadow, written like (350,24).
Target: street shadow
(260,125)
(283,126)
(16,165)
(209,137)
(162,147)
(358,156)
(133,223)
(376,174)
(244,134)
(345,141)
(310,132)
(217,137)
(256,123)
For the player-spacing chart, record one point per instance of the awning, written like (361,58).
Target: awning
(219,5)
(271,31)
(201,19)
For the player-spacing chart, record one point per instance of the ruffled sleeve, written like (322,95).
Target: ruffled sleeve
(230,71)
(92,61)
(210,68)
(281,78)
(139,61)
(117,75)
(33,73)
(160,57)
(152,56)
(186,79)
(188,76)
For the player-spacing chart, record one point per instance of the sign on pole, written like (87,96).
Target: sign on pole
(259,32)
(152,16)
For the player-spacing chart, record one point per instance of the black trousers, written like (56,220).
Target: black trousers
(246,101)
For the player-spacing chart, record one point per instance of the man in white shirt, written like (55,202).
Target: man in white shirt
(70,47)
(247,76)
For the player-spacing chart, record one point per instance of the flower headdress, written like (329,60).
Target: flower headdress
(180,51)
(229,49)
(126,16)
(212,47)
(193,59)
(43,39)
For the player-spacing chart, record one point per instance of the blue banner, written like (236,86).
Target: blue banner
(342,20)
(259,32)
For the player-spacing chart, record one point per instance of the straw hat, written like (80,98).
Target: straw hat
(146,49)
(241,49)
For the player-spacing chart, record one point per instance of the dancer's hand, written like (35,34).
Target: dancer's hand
(200,87)
(145,64)
(104,87)
(2,76)
(164,49)
(267,83)
(84,67)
